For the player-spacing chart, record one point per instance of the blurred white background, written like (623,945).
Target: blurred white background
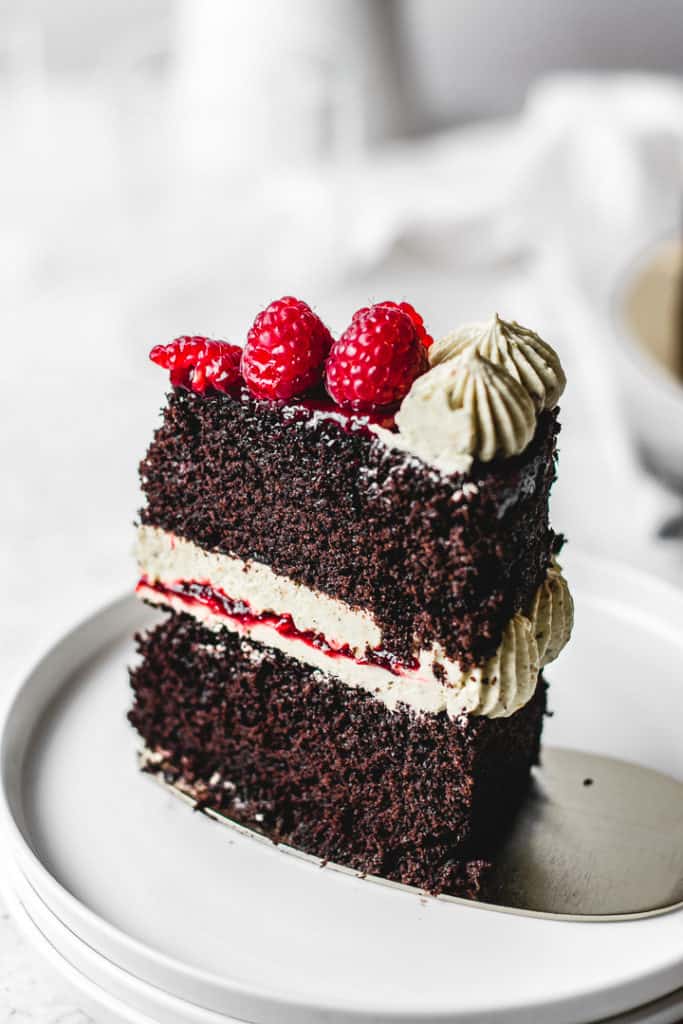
(170,166)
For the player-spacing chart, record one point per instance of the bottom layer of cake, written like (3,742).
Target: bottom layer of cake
(420,799)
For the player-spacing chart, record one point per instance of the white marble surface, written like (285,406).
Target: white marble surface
(30,991)
(113,251)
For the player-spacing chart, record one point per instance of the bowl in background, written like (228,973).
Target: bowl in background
(649,328)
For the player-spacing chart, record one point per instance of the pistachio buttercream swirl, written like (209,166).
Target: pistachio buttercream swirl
(466,407)
(552,614)
(507,681)
(519,350)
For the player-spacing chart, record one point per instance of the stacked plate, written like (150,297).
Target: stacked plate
(159,914)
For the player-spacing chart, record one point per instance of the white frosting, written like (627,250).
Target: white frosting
(497,689)
(519,350)
(437,455)
(480,399)
(166,558)
(552,614)
(508,680)
(466,407)
(419,688)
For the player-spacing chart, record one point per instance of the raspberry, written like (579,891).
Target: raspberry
(285,351)
(199,364)
(417,320)
(377,358)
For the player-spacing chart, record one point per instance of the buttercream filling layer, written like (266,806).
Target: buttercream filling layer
(165,558)
(248,598)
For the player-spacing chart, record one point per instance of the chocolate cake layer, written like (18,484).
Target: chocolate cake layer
(421,799)
(433,558)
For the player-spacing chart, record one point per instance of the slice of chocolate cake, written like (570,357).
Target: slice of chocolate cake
(361,586)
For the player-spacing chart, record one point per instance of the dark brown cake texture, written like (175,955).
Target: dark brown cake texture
(325,768)
(420,585)
(334,509)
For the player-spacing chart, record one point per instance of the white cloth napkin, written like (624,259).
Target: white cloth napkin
(598,159)
(590,173)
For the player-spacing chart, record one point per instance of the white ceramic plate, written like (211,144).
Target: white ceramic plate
(233,925)
(103,989)
(125,998)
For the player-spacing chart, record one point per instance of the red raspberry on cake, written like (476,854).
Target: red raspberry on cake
(417,320)
(285,351)
(374,363)
(199,364)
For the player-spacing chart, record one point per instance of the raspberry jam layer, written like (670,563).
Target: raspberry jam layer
(195,593)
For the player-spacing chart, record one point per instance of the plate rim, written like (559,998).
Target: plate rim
(10,892)
(21,899)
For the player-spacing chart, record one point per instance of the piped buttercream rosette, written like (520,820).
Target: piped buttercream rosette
(519,350)
(507,681)
(481,398)
(552,614)
(466,407)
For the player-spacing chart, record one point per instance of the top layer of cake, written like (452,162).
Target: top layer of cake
(433,559)
(335,533)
